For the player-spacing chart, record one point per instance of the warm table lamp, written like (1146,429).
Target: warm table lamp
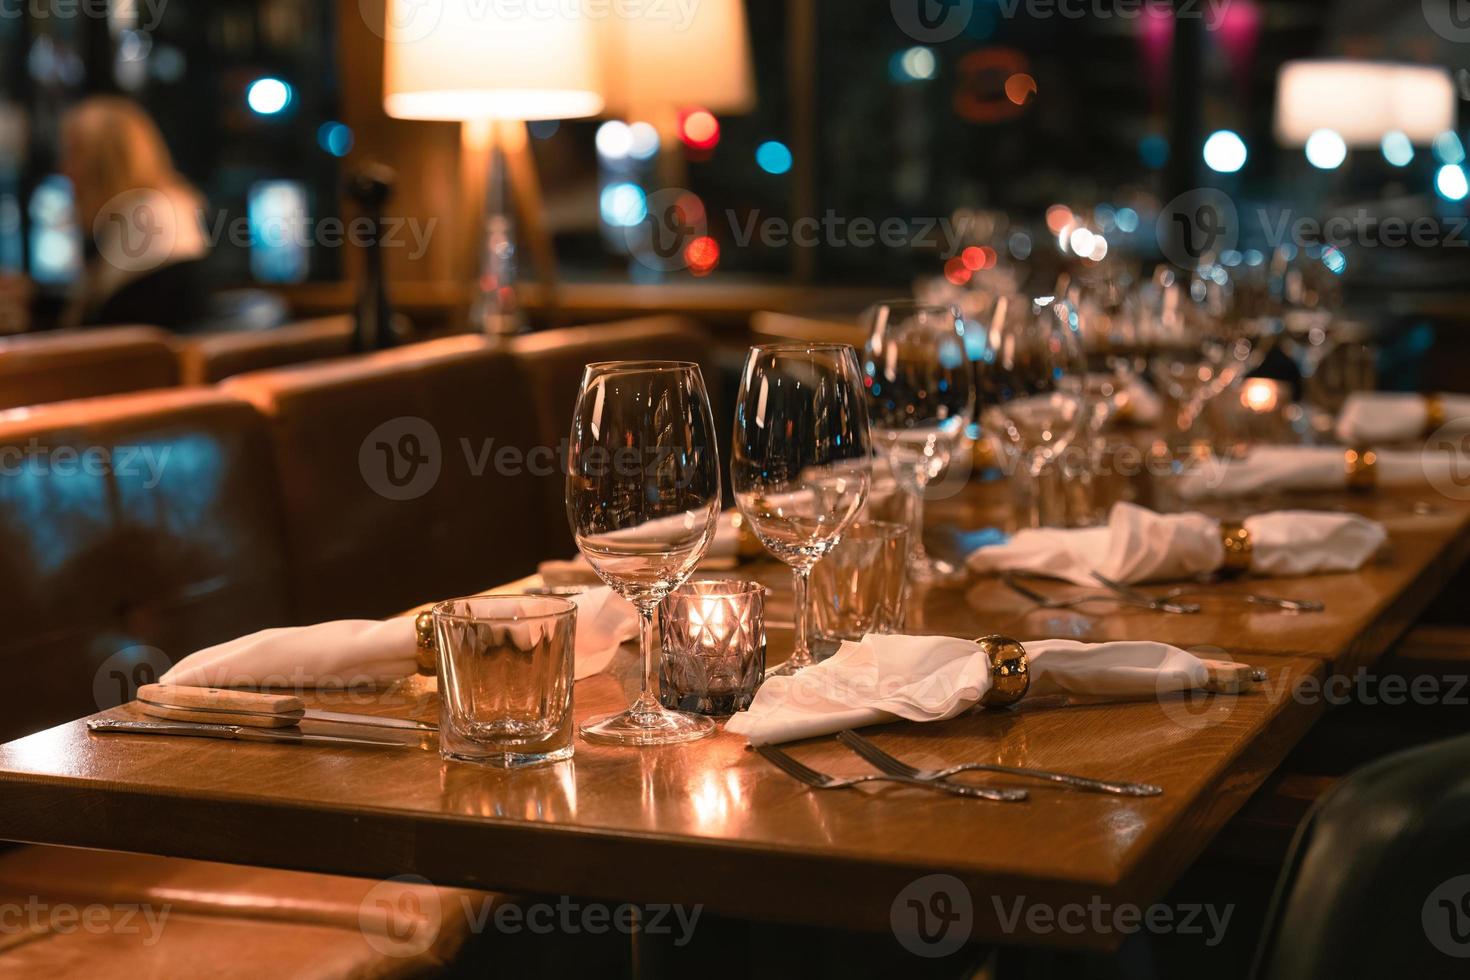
(656,65)
(1362,101)
(493,67)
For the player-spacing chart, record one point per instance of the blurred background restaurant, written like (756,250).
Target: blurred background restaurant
(803,156)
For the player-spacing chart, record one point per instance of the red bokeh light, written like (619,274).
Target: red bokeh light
(956,272)
(699,129)
(703,255)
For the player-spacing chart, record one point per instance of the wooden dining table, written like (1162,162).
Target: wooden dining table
(712,823)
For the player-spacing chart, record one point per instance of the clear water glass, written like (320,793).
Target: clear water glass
(859,587)
(505,679)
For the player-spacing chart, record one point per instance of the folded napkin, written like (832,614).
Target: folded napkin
(1274,469)
(880,679)
(1371,418)
(355,651)
(1138,545)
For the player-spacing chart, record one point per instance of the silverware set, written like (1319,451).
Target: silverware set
(1119,593)
(895,770)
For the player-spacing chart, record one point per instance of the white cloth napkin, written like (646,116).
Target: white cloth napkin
(354,651)
(1371,418)
(1138,545)
(880,679)
(1271,469)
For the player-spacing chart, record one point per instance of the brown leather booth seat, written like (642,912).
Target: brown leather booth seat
(553,361)
(213,357)
(51,367)
(79,913)
(394,488)
(133,531)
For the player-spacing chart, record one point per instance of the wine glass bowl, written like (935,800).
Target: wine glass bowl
(921,400)
(801,465)
(1031,377)
(1031,382)
(643,502)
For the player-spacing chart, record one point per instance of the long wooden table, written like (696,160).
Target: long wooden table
(712,823)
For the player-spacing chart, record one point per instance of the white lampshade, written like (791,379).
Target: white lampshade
(688,55)
(469,59)
(1362,101)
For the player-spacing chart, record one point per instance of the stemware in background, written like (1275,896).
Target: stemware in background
(1031,393)
(1110,340)
(921,398)
(643,500)
(801,463)
(1311,297)
(1198,341)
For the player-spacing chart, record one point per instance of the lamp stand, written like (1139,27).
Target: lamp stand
(498,170)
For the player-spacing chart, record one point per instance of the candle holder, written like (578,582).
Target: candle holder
(714,646)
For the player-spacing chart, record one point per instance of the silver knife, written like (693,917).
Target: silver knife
(311,714)
(238,733)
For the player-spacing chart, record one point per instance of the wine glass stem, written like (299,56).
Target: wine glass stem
(917,554)
(801,655)
(647,700)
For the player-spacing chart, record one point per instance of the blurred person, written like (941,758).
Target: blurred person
(141,221)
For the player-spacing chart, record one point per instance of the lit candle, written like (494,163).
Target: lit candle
(714,646)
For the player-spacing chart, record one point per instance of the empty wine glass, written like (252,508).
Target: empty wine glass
(1201,339)
(802,458)
(643,500)
(921,398)
(1031,389)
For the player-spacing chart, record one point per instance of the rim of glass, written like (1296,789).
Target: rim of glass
(796,346)
(727,588)
(629,367)
(441,609)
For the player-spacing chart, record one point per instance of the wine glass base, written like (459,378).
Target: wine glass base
(787,668)
(657,727)
(932,571)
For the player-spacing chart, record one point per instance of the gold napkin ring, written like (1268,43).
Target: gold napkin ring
(1434,414)
(1362,469)
(426,652)
(1010,674)
(1238,547)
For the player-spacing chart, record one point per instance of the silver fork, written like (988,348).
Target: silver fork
(1276,602)
(820,780)
(1140,601)
(898,767)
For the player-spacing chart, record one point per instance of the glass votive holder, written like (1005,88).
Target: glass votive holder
(858,587)
(505,679)
(714,646)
